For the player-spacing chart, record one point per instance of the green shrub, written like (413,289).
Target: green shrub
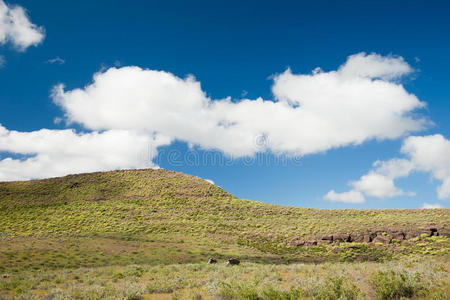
(197,297)
(270,293)
(336,288)
(243,291)
(392,285)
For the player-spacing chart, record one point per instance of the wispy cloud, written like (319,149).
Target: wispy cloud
(57,60)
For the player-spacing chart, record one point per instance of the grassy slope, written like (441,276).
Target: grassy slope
(163,217)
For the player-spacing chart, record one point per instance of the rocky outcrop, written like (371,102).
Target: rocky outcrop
(383,239)
(444,232)
(383,236)
(341,238)
(325,239)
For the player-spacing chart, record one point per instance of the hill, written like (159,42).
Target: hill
(160,217)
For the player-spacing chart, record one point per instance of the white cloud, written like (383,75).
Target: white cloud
(57,60)
(431,154)
(16,27)
(428,154)
(377,185)
(346,197)
(50,153)
(312,113)
(380,182)
(375,66)
(431,206)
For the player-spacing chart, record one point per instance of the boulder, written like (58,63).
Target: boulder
(382,239)
(369,237)
(311,243)
(357,237)
(398,235)
(429,231)
(432,230)
(444,232)
(412,234)
(341,237)
(233,262)
(325,239)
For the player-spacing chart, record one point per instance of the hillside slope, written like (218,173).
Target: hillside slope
(160,216)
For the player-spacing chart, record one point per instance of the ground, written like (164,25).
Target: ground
(135,234)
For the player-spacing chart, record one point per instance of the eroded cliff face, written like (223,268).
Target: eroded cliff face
(382,235)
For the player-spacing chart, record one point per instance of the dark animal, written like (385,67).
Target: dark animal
(233,262)
(212,261)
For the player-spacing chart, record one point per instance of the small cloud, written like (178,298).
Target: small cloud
(244,93)
(346,197)
(210,181)
(57,120)
(57,60)
(117,63)
(430,206)
(17,28)
(417,59)
(2,61)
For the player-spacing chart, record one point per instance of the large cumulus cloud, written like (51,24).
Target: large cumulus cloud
(362,100)
(310,113)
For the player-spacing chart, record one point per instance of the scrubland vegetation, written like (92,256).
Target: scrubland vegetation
(147,234)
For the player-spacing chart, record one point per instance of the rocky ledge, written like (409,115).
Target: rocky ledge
(384,236)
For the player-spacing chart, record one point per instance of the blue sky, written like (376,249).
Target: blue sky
(235,50)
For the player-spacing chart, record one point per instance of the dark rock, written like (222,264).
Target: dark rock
(432,230)
(399,235)
(325,239)
(444,232)
(427,231)
(412,234)
(357,237)
(368,237)
(233,262)
(311,243)
(382,239)
(341,237)
(212,261)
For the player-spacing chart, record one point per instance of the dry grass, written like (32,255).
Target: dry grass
(424,279)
